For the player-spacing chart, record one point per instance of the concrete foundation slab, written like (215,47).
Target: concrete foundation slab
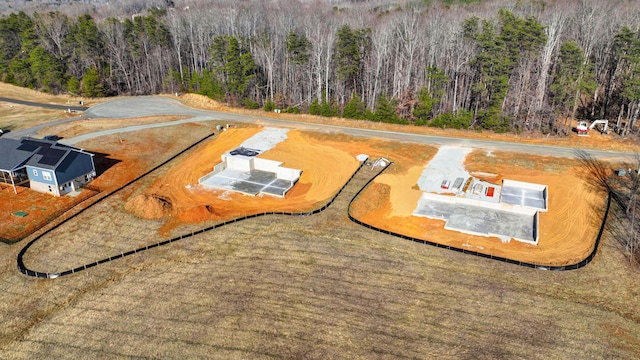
(524,194)
(251,182)
(479,220)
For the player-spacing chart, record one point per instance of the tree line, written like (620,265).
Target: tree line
(500,65)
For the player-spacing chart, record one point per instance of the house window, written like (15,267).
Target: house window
(35,172)
(46,175)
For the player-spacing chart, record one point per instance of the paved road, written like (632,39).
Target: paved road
(32,131)
(48,106)
(157,105)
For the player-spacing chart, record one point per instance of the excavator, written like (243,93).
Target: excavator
(584,127)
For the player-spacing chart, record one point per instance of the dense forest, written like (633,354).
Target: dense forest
(503,65)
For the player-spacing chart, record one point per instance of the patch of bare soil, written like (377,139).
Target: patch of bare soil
(119,159)
(150,206)
(40,209)
(567,231)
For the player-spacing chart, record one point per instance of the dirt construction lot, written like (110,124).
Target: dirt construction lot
(567,230)
(178,198)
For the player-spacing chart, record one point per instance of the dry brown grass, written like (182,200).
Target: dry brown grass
(16,92)
(15,116)
(80,127)
(314,287)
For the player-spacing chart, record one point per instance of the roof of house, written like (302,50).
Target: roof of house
(41,153)
(12,156)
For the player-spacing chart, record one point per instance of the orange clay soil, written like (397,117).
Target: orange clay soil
(326,160)
(567,231)
(40,209)
(119,159)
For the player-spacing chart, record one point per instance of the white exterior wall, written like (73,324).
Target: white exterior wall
(266,165)
(524,185)
(44,188)
(288,173)
(74,184)
(240,163)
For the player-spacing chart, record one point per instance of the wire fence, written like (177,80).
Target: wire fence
(52,275)
(38,274)
(575,266)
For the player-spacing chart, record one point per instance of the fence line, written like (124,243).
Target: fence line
(23,269)
(20,261)
(575,266)
(38,274)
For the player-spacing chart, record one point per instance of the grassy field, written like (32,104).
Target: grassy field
(14,116)
(319,287)
(303,287)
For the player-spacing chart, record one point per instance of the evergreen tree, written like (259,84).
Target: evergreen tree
(45,69)
(86,45)
(355,108)
(17,40)
(314,108)
(234,64)
(566,81)
(269,106)
(298,47)
(627,48)
(327,109)
(91,85)
(385,111)
(73,85)
(351,49)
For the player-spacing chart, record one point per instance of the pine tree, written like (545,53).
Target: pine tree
(234,65)
(73,85)
(355,108)
(46,70)
(385,111)
(314,108)
(566,80)
(91,85)
(351,49)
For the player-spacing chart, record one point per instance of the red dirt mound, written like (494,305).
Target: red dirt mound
(150,206)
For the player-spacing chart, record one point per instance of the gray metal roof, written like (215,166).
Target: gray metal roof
(12,156)
(41,153)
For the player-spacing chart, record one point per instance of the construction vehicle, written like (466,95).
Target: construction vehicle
(604,128)
(583,127)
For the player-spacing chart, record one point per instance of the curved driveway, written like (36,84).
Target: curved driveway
(158,105)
